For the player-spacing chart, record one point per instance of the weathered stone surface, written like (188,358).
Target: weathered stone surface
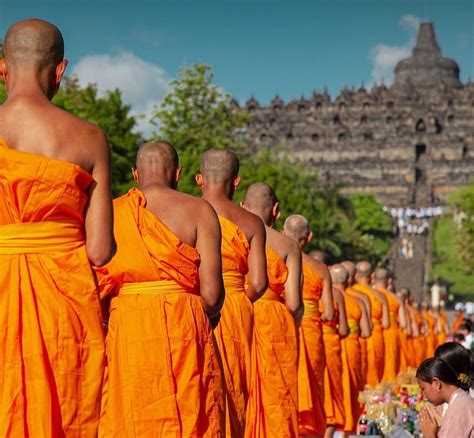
(411,143)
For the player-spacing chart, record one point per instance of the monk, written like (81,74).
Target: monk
(358,321)
(404,333)
(459,317)
(417,342)
(273,401)
(243,254)
(443,329)
(319,255)
(351,270)
(432,329)
(316,286)
(55,222)
(391,335)
(333,332)
(164,377)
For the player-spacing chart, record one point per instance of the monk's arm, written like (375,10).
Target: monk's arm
(408,327)
(365,328)
(368,308)
(100,243)
(343,325)
(293,299)
(402,316)
(327,298)
(385,312)
(415,329)
(257,262)
(208,243)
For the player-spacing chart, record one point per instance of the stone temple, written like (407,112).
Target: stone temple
(409,144)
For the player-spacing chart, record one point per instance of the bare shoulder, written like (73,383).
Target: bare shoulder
(281,244)
(316,265)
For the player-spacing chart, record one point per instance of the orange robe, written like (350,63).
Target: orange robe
(234,331)
(272,408)
(391,338)
(52,343)
(333,393)
(419,343)
(375,343)
(457,322)
(404,350)
(312,360)
(164,377)
(363,351)
(351,365)
(431,337)
(443,326)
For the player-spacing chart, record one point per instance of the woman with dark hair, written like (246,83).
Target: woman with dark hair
(445,379)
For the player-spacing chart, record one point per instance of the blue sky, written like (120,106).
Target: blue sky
(260,48)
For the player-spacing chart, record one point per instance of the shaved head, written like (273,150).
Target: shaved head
(339,274)
(33,43)
(219,165)
(157,161)
(350,267)
(363,269)
(297,227)
(319,255)
(260,196)
(381,274)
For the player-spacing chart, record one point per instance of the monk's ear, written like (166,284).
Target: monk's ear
(3,70)
(199,180)
(177,174)
(276,212)
(60,69)
(310,236)
(136,177)
(236,182)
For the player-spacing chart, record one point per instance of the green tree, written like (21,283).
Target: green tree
(195,116)
(463,203)
(3,91)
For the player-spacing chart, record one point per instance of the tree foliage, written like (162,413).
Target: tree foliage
(463,202)
(196,116)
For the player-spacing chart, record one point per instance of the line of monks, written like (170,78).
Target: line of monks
(217,324)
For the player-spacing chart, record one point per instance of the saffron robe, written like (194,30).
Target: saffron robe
(363,350)
(333,393)
(272,408)
(404,350)
(431,337)
(443,324)
(391,338)
(164,377)
(312,360)
(234,331)
(351,364)
(52,342)
(375,343)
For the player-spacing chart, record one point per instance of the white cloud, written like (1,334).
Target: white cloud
(385,57)
(142,83)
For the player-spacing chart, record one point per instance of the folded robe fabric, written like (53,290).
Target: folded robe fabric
(351,365)
(391,338)
(273,401)
(164,377)
(235,328)
(375,343)
(52,341)
(312,360)
(333,393)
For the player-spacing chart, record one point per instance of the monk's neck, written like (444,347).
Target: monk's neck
(363,281)
(379,286)
(217,193)
(339,286)
(29,85)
